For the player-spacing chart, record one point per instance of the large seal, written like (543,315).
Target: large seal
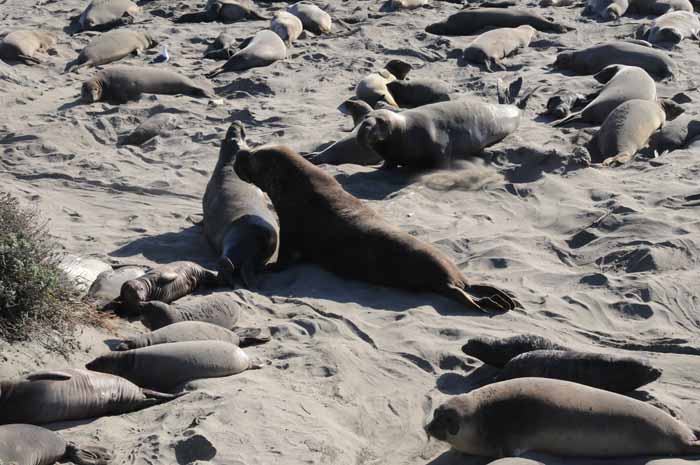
(671,28)
(315,213)
(24,45)
(559,418)
(606,9)
(226,11)
(493,46)
(418,92)
(312,17)
(239,221)
(287,26)
(263,49)
(63,395)
(469,22)
(498,352)
(120,84)
(110,47)
(165,367)
(221,309)
(102,15)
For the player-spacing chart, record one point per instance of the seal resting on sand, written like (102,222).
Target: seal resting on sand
(312,17)
(317,216)
(606,9)
(263,49)
(110,47)
(497,352)
(287,26)
(227,11)
(24,45)
(102,15)
(470,21)
(373,87)
(493,46)
(221,309)
(671,28)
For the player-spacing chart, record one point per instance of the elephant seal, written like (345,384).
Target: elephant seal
(559,418)
(622,83)
(287,26)
(34,445)
(675,134)
(220,309)
(165,367)
(156,125)
(22,46)
(312,17)
(659,7)
(418,92)
(102,15)
(606,9)
(498,352)
(395,5)
(186,331)
(356,109)
(493,46)
(223,47)
(239,221)
(226,11)
(671,28)
(63,395)
(165,283)
(107,286)
(372,250)
(469,22)
(373,87)
(263,49)
(561,104)
(436,135)
(345,150)
(111,46)
(609,372)
(594,59)
(120,84)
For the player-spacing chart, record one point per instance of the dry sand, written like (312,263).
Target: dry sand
(602,259)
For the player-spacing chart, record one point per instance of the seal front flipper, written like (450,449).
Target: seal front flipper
(88,455)
(49,376)
(227,272)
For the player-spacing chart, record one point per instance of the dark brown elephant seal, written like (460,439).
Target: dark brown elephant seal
(559,418)
(498,352)
(239,221)
(23,46)
(263,49)
(671,28)
(227,11)
(102,15)
(221,309)
(305,197)
(418,92)
(312,17)
(470,21)
(491,47)
(111,46)
(69,394)
(33,445)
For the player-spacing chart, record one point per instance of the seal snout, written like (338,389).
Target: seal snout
(445,421)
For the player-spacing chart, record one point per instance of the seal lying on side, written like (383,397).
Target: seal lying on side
(659,7)
(671,28)
(312,17)
(239,221)
(221,309)
(561,104)
(123,83)
(62,395)
(24,45)
(606,9)
(227,11)
(675,134)
(102,15)
(373,87)
(469,22)
(493,46)
(498,352)
(263,49)
(156,125)
(559,418)
(287,26)
(418,92)
(34,445)
(609,372)
(110,47)
(167,366)
(316,215)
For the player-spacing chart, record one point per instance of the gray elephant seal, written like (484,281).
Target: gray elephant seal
(227,11)
(287,26)
(659,7)
(609,372)
(498,352)
(469,22)
(63,395)
(559,418)
(671,28)
(110,47)
(24,45)
(312,17)
(221,309)
(594,59)
(165,367)
(606,9)
(418,92)
(345,150)
(372,251)
(156,125)
(675,134)
(123,83)
(491,47)
(34,445)
(108,284)
(102,15)
(561,104)
(239,221)
(263,49)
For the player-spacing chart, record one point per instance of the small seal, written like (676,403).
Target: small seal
(312,17)
(287,26)
(103,15)
(221,309)
(498,352)
(493,46)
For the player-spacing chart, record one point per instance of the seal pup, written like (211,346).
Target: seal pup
(312,17)
(559,418)
(111,46)
(373,87)
(395,5)
(34,445)
(156,125)
(165,367)
(306,197)
(287,26)
(107,286)
(223,47)
(221,309)
(670,28)
(70,394)
(263,49)
(23,46)
(418,92)
(561,105)
(469,22)
(120,84)
(226,11)
(606,9)
(498,352)
(675,134)
(493,46)
(102,15)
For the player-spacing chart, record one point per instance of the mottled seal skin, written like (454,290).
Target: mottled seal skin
(418,92)
(498,352)
(469,22)
(559,418)
(239,221)
(491,47)
(606,9)
(111,46)
(287,26)
(120,84)
(102,15)
(227,11)
(263,49)
(594,59)
(108,284)
(671,28)
(436,135)
(220,309)
(24,45)
(63,395)
(34,445)
(156,125)
(609,372)
(305,197)
(312,17)
(675,134)
(659,7)
(165,367)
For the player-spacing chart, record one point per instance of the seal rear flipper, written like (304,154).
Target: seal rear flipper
(216,72)
(88,455)
(508,95)
(155,397)
(494,294)
(252,336)
(74,65)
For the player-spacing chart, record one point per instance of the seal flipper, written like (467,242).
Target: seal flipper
(56,375)
(227,272)
(87,455)
(494,294)
(618,160)
(572,118)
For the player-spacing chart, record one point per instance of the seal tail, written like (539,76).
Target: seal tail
(88,455)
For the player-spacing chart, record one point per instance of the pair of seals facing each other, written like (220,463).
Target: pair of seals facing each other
(312,17)
(671,28)
(226,11)
(23,46)
(470,21)
(221,309)
(493,46)
(110,47)
(263,49)
(102,15)
(371,251)
(559,418)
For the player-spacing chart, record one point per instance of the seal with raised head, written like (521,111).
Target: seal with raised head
(316,215)
(498,352)
(606,9)
(373,87)
(110,47)
(226,11)
(491,47)
(24,45)
(671,28)
(69,394)
(413,93)
(470,21)
(221,309)
(102,15)
(559,418)
(263,49)
(312,17)
(287,26)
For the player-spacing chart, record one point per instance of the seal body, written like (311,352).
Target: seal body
(418,92)
(182,331)
(287,26)
(659,7)
(346,150)
(607,9)
(107,286)
(110,47)
(671,28)
(491,47)
(264,48)
(312,17)
(675,134)
(469,22)
(305,197)
(373,88)
(559,418)
(102,15)
(220,309)
(498,352)
(24,45)
(156,125)
(227,11)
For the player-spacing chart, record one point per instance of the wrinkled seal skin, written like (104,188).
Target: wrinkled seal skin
(110,47)
(609,372)
(287,26)
(102,15)
(220,309)
(498,352)
(23,46)
(263,49)
(418,92)
(469,22)
(559,418)
(227,11)
(322,223)
(164,367)
(62,395)
(670,28)
(493,46)
(239,221)
(34,445)
(312,17)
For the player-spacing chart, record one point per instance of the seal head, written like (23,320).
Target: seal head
(91,91)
